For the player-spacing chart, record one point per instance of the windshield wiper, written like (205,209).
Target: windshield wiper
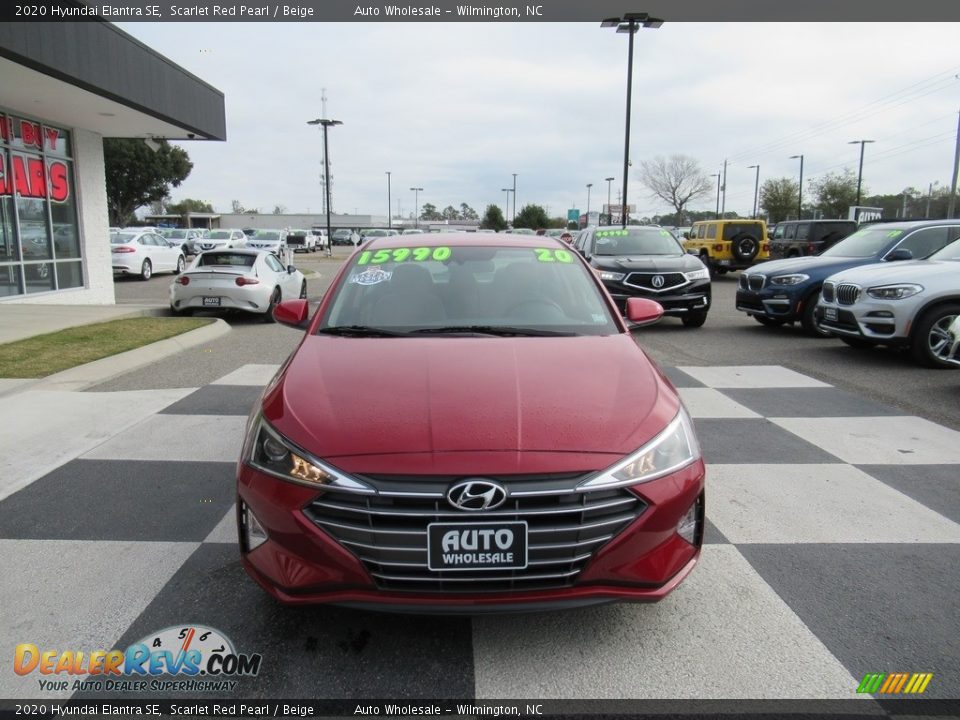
(498,330)
(360,331)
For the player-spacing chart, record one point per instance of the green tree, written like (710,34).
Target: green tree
(835,194)
(493,219)
(676,180)
(189,205)
(138,176)
(429,212)
(468,213)
(778,198)
(450,213)
(531,216)
(279,209)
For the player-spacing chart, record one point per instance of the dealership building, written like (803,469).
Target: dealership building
(63,88)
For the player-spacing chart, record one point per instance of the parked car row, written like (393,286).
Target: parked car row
(895,284)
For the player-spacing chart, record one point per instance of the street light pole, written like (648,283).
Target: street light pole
(589,185)
(956,166)
(416,205)
(630,23)
(389,203)
(717,176)
(514,198)
(609,214)
(325,123)
(756,189)
(800,191)
(506,207)
(861,143)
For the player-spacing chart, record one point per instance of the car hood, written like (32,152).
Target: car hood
(916,271)
(342,397)
(651,263)
(818,265)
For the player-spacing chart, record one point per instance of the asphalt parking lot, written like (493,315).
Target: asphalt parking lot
(832,545)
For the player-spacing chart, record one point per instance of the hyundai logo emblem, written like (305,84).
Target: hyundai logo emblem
(477,494)
(658,281)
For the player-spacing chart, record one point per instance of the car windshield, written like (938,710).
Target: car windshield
(866,242)
(470,290)
(636,241)
(177,234)
(950,252)
(732,230)
(219,235)
(267,235)
(226,258)
(122,238)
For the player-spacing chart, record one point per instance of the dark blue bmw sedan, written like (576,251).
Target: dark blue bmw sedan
(786,291)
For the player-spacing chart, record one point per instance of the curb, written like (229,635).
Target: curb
(92,373)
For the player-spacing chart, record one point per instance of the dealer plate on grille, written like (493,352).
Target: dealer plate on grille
(477,546)
(211,301)
(830,313)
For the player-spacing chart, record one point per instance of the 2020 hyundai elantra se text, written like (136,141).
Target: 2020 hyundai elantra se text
(467,425)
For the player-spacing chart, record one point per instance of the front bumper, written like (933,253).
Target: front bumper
(874,321)
(690,299)
(776,303)
(300,563)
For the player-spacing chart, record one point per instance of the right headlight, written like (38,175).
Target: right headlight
(673,449)
(269,452)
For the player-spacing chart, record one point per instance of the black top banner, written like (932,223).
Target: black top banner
(864,11)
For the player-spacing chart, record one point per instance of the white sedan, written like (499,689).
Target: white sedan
(250,280)
(135,252)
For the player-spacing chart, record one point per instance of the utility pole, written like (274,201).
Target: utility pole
(929,195)
(723,208)
(956,167)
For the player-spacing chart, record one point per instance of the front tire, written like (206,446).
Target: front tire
(809,322)
(694,321)
(146,270)
(931,342)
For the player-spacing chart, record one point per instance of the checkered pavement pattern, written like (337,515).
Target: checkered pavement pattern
(832,551)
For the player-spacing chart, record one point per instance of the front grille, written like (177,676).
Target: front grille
(847,294)
(647,281)
(827,292)
(388,531)
(756,282)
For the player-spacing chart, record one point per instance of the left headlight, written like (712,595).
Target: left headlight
(673,449)
(792,279)
(894,292)
(703,274)
(611,276)
(269,452)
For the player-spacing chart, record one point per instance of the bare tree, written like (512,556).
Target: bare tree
(676,180)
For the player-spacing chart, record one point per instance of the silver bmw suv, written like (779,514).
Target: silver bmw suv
(914,304)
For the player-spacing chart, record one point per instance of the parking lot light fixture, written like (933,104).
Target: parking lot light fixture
(589,185)
(861,143)
(325,123)
(416,205)
(629,23)
(389,203)
(717,176)
(609,214)
(756,190)
(506,207)
(514,197)
(800,190)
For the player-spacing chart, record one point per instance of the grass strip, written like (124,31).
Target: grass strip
(44,355)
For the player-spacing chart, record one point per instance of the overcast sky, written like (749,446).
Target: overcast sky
(458,108)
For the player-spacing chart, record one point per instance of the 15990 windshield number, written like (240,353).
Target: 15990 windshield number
(399,255)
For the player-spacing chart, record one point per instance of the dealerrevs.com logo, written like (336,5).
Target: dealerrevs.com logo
(185,658)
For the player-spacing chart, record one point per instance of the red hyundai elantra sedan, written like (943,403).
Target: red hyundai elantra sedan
(468,426)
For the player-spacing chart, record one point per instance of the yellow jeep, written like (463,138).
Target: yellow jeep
(725,245)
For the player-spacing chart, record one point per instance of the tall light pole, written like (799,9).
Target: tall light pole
(389,203)
(589,185)
(756,189)
(609,214)
(717,176)
(325,123)
(416,205)
(861,143)
(956,166)
(800,191)
(514,217)
(629,23)
(506,208)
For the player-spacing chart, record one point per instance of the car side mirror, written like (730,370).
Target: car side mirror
(293,313)
(290,269)
(642,311)
(899,254)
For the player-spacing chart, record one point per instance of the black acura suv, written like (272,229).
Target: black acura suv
(648,261)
